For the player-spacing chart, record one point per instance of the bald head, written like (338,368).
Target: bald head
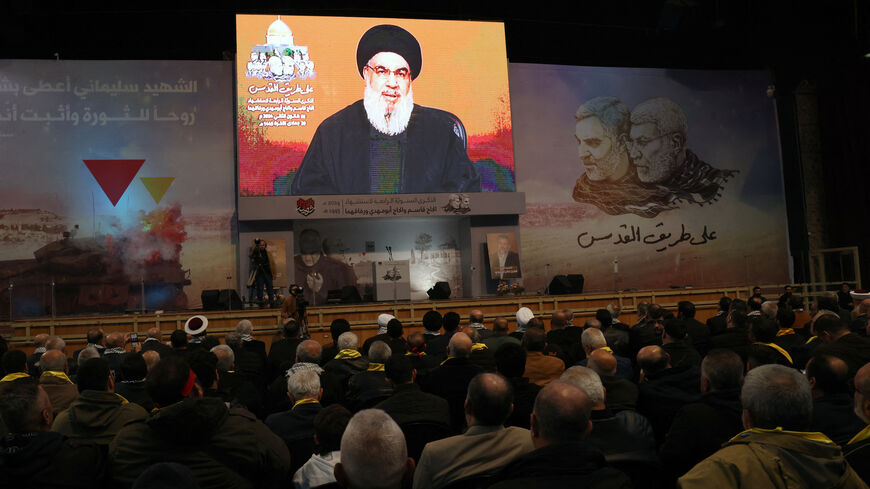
(489,401)
(460,345)
(53,360)
(862,393)
(151,358)
(602,362)
(115,340)
(309,351)
(652,359)
(558,320)
(39,340)
(476,316)
(55,343)
(155,333)
(500,325)
(561,415)
(472,333)
(827,375)
(592,323)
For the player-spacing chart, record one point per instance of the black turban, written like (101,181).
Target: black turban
(390,39)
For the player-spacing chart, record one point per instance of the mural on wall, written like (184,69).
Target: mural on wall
(648,178)
(118,184)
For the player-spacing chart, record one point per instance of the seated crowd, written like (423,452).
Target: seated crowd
(747,399)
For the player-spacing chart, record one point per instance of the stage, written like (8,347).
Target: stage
(363,317)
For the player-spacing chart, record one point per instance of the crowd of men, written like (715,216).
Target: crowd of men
(747,399)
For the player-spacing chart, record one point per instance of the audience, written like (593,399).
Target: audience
(511,363)
(560,423)
(775,450)
(223,447)
(450,380)
(373,453)
(679,412)
(329,426)
(33,456)
(98,413)
(485,447)
(409,404)
(541,369)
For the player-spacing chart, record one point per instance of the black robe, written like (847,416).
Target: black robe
(434,158)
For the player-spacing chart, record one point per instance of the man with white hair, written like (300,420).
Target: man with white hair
(373,453)
(659,131)
(349,360)
(385,143)
(593,339)
(296,425)
(775,451)
(625,438)
(365,389)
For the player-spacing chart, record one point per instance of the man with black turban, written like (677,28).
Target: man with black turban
(317,272)
(385,143)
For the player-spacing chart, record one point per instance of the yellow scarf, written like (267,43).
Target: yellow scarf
(415,354)
(123,401)
(779,349)
(307,400)
(59,375)
(607,349)
(785,331)
(376,367)
(478,347)
(861,436)
(15,376)
(810,340)
(348,354)
(814,436)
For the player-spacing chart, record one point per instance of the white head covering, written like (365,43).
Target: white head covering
(196,325)
(383,320)
(524,315)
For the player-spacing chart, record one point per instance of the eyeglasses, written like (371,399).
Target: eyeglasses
(384,73)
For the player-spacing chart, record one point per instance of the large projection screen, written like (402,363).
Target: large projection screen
(437,118)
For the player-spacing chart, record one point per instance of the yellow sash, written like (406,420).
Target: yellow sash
(304,401)
(810,340)
(814,436)
(123,401)
(779,349)
(861,436)
(376,367)
(478,347)
(15,376)
(785,331)
(413,354)
(59,375)
(607,349)
(348,354)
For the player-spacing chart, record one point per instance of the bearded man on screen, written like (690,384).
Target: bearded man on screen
(385,143)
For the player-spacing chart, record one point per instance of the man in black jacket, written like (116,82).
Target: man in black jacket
(560,422)
(33,456)
(663,389)
(857,451)
(839,341)
(699,333)
(364,389)
(283,352)
(408,403)
(833,411)
(450,380)
(296,425)
(700,428)
(718,323)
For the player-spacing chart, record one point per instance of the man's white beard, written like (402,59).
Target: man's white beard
(390,119)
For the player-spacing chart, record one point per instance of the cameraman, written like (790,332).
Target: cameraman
(261,270)
(294,305)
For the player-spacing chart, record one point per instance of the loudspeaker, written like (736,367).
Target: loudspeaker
(216,300)
(570,284)
(440,292)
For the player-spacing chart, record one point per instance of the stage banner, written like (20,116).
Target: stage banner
(648,178)
(337,105)
(504,259)
(117,180)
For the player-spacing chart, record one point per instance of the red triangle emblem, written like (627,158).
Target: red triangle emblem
(114,176)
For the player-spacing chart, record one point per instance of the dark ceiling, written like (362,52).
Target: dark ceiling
(671,33)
